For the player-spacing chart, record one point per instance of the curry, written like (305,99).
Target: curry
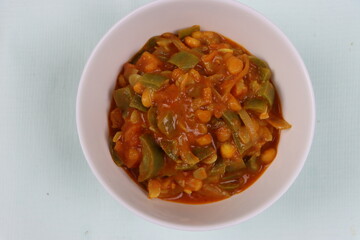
(195,117)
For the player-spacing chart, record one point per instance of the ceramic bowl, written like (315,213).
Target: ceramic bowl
(239,23)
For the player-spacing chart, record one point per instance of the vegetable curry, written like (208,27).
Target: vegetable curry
(195,117)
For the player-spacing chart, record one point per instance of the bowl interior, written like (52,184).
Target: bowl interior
(238,23)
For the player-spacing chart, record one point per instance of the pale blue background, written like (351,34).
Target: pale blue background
(47,191)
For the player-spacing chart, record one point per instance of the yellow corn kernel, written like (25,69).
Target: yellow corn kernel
(233,104)
(234,65)
(203,115)
(154,188)
(147,97)
(192,42)
(268,155)
(200,173)
(139,88)
(223,134)
(227,150)
(204,140)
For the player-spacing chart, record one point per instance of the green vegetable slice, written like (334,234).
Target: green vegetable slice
(258,62)
(203,152)
(267,92)
(265,73)
(216,172)
(167,124)
(151,116)
(232,175)
(152,160)
(184,60)
(149,45)
(189,158)
(152,80)
(278,123)
(212,191)
(170,148)
(116,158)
(235,166)
(245,117)
(134,78)
(252,163)
(232,120)
(185,167)
(256,105)
(229,186)
(123,97)
(188,31)
(237,140)
(136,103)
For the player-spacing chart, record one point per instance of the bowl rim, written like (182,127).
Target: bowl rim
(223,224)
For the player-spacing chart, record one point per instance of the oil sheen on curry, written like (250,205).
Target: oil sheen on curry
(195,117)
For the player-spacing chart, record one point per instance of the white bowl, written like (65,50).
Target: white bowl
(239,23)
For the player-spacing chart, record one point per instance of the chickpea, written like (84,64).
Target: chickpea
(268,155)
(154,188)
(197,34)
(203,115)
(202,128)
(223,134)
(204,140)
(192,42)
(147,97)
(227,150)
(139,88)
(133,156)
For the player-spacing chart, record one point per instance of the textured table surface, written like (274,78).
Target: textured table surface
(47,191)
